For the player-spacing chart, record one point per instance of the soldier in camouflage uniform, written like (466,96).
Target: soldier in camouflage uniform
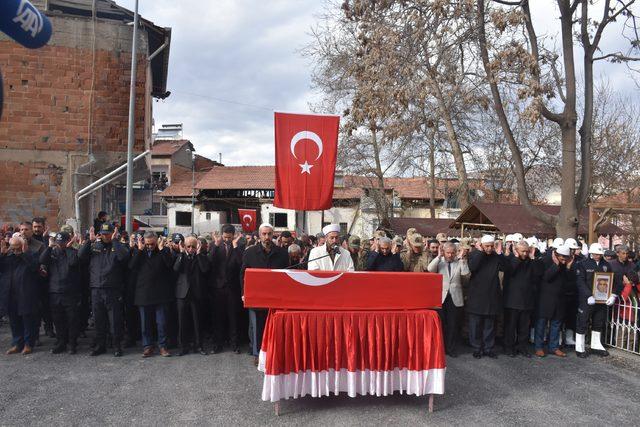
(415,259)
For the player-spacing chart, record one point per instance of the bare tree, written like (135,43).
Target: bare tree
(544,75)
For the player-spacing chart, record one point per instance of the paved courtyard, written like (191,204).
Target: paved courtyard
(224,389)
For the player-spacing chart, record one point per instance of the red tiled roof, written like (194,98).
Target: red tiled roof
(238,178)
(181,186)
(167,147)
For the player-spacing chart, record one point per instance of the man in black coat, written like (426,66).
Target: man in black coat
(19,293)
(61,260)
(382,258)
(519,297)
(588,310)
(263,255)
(559,274)
(107,259)
(484,296)
(191,266)
(226,261)
(153,264)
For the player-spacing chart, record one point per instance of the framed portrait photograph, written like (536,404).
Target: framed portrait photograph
(602,285)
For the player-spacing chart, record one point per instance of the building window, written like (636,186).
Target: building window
(183,219)
(278,220)
(208,216)
(159,181)
(158,208)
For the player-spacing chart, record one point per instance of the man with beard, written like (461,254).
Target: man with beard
(61,260)
(36,247)
(383,257)
(107,259)
(330,256)
(263,255)
(38,226)
(154,265)
(484,296)
(192,266)
(519,297)
(19,293)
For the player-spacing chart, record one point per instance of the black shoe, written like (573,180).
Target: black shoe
(525,353)
(250,352)
(217,349)
(477,354)
(118,352)
(60,348)
(98,351)
(236,350)
(512,353)
(490,354)
(202,351)
(582,354)
(73,349)
(601,353)
(451,354)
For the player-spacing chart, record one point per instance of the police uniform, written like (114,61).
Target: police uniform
(107,267)
(64,291)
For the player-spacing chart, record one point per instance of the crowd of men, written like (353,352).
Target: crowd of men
(184,292)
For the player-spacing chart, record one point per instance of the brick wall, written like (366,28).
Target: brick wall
(51,116)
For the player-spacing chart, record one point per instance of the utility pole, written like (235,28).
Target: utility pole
(193,191)
(132,125)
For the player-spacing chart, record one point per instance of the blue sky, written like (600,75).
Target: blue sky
(235,62)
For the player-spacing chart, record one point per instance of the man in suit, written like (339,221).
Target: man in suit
(19,293)
(192,266)
(453,269)
(107,259)
(263,255)
(519,296)
(154,265)
(484,296)
(226,261)
(330,256)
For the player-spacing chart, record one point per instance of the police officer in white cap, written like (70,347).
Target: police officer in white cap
(484,296)
(587,307)
(330,256)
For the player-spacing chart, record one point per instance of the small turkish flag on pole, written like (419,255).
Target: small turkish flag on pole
(247,220)
(306,150)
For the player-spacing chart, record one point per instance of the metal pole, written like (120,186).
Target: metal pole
(193,190)
(132,125)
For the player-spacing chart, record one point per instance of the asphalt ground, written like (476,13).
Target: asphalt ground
(224,389)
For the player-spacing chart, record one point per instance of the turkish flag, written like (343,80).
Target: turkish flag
(247,220)
(306,150)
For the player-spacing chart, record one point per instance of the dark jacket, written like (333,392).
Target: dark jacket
(154,271)
(19,284)
(520,289)
(62,265)
(484,294)
(379,262)
(225,269)
(551,295)
(192,276)
(256,257)
(627,269)
(584,277)
(107,264)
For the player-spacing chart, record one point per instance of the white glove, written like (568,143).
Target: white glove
(591,300)
(611,300)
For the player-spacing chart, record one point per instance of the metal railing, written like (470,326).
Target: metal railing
(623,327)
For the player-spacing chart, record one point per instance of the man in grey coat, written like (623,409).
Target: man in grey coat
(453,268)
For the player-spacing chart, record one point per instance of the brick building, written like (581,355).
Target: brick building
(66,108)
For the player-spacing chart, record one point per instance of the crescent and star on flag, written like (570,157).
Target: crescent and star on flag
(306,134)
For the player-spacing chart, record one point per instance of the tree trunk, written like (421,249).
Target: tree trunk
(567,224)
(380,198)
(464,198)
(432,177)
